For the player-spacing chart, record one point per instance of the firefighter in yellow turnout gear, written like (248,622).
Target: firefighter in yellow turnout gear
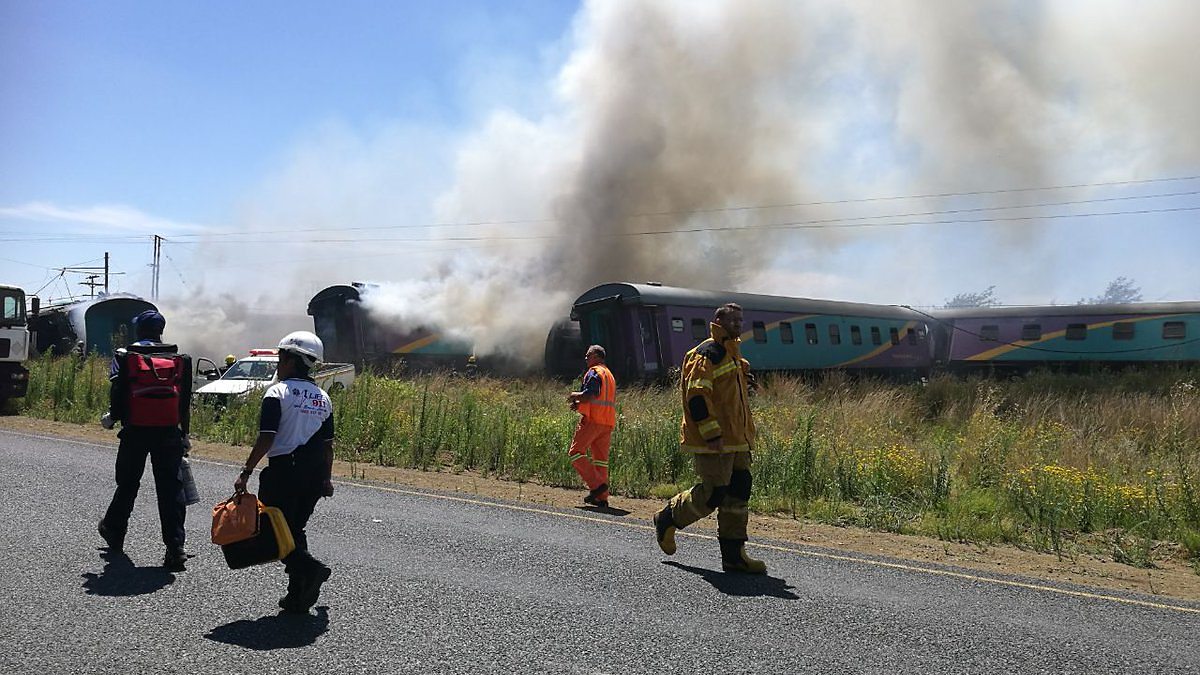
(719,432)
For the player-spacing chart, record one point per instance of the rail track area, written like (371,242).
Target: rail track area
(428,582)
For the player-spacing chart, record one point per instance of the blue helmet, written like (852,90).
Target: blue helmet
(150,322)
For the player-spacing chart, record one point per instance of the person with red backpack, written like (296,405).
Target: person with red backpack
(150,395)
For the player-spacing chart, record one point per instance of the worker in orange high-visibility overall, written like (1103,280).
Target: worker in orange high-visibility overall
(596,403)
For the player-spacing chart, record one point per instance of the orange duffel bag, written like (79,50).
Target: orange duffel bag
(235,519)
(273,541)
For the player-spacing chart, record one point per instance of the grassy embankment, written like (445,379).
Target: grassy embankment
(1104,463)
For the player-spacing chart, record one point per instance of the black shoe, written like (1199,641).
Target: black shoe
(291,599)
(309,589)
(175,559)
(115,543)
(593,496)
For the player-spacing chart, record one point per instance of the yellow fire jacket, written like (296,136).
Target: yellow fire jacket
(713,386)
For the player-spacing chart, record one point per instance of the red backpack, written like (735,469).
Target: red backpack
(156,384)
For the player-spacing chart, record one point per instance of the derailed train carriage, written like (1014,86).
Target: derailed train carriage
(647,328)
(102,324)
(352,335)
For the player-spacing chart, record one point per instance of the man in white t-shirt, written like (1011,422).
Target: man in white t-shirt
(295,434)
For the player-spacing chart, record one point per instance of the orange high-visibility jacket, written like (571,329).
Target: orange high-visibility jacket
(602,409)
(713,386)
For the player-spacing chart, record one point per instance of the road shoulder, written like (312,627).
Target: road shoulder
(1169,579)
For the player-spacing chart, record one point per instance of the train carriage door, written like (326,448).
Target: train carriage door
(600,324)
(651,356)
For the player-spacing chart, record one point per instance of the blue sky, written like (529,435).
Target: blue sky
(280,147)
(179,109)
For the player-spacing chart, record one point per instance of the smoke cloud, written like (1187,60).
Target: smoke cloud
(682,115)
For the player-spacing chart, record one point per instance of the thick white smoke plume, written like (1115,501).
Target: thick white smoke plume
(678,115)
(226,324)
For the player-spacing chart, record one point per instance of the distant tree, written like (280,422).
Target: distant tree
(1120,290)
(984,298)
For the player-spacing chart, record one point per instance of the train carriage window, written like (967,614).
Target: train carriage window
(785,333)
(810,333)
(835,334)
(699,329)
(855,335)
(894,335)
(989,333)
(1174,330)
(876,337)
(677,325)
(911,335)
(1031,331)
(1123,330)
(760,331)
(1076,331)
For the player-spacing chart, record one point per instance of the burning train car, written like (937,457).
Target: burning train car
(100,324)
(352,335)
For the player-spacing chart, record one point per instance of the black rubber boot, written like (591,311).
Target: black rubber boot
(734,558)
(664,530)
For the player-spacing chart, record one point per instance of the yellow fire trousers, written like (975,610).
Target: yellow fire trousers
(724,487)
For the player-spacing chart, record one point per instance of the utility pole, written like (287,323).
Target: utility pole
(93,275)
(91,283)
(156,266)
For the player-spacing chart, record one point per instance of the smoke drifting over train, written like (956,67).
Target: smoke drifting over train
(675,115)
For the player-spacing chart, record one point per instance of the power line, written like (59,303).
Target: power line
(860,200)
(829,223)
(779,206)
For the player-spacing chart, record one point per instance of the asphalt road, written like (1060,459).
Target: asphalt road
(426,582)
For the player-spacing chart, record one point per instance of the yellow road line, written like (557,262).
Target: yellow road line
(785,549)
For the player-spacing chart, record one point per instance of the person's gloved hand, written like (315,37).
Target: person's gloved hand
(187,443)
(107,421)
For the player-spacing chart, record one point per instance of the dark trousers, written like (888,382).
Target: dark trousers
(165,449)
(293,484)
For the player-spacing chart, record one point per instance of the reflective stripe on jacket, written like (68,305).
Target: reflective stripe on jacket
(713,388)
(603,408)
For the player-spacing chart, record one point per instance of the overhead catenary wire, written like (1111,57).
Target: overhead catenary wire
(484,223)
(859,200)
(837,223)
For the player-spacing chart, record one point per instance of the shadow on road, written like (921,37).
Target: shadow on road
(748,585)
(277,631)
(605,509)
(120,577)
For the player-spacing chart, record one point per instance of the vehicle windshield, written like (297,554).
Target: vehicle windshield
(250,370)
(12,308)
